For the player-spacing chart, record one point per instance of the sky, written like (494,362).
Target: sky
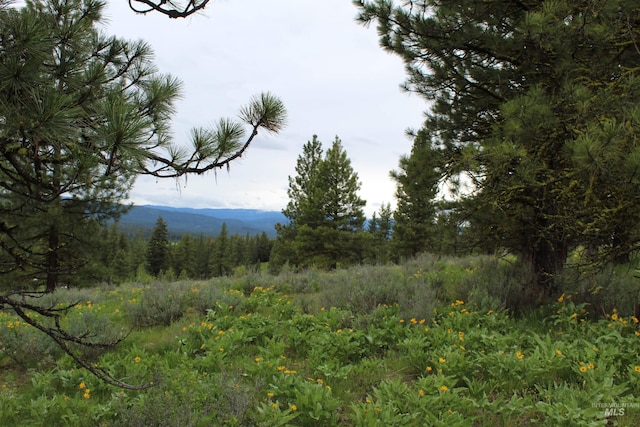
(329,71)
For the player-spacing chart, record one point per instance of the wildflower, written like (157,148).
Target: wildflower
(444,388)
(81,386)
(66,398)
(583,369)
(558,352)
(519,355)
(328,388)
(221,350)
(137,359)
(428,369)
(591,366)
(561,298)
(258,359)
(319,381)
(462,348)
(220,332)
(401,320)
(293,407)
(421,392)
(635,319)
(274,405)
(339,331)
(490,312)
(290,372)
(426,329)
(442,360)
(270,394)
(422,321)
(614,316)
(281,368)
(87,394)
(636,368)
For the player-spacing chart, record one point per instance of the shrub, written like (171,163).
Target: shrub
(160,304)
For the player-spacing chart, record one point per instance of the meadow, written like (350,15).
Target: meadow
(426,343)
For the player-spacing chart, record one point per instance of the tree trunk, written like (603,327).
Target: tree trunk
(547,260)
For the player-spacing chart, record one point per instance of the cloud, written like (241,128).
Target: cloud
(329,71)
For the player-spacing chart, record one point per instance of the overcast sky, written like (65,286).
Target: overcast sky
(330,72)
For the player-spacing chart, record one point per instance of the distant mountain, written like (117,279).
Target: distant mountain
(202,221)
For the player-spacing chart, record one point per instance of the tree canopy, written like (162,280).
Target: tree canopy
(535,104)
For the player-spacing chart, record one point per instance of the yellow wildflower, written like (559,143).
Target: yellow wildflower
(137,359)
(519,355)
(583,369)
(293,407)
(558,352)
(444,388)
(636,368)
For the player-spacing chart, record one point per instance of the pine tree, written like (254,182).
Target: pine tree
(535,104)
(221,261)
(417,186)
(158,260)
(324,211)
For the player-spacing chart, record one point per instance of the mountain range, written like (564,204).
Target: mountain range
(201,221)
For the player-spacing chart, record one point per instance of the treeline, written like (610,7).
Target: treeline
(118,257)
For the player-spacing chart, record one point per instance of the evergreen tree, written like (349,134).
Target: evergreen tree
(417,186)
(221,261)
(324,210)
(202,256)
(263,247)
(81,115)
(183,257)
(534,103)
(158,260)
(379,229)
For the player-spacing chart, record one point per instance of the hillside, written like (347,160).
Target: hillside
(202,221)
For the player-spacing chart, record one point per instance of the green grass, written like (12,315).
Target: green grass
(425,343)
